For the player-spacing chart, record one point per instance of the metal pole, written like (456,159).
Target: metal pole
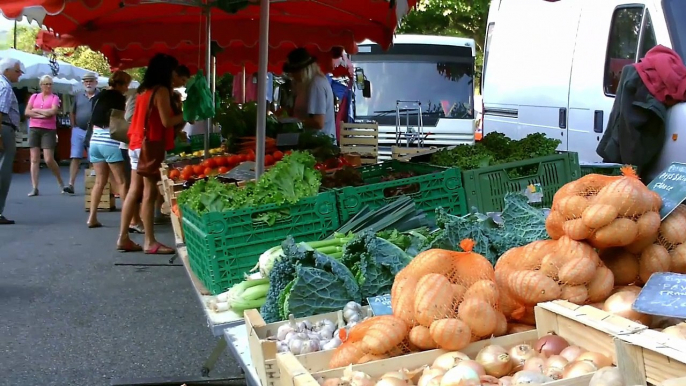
(243,85)
(15,35)
(262,87)
(214,80)
(208,74)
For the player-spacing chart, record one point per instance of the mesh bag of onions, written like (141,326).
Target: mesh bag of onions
(665,251)
(442,299)
(549,270)
(606,211)
(448,299)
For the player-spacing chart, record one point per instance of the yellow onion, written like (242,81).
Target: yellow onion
(599,360)
(578,368)
(572,352)
(488,380)
(449,360)
(620,304)
(495,360)
(626,288)
(551,344)
(535,364)
(555,366)
(519,354)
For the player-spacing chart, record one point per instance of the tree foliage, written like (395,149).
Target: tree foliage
(460,18)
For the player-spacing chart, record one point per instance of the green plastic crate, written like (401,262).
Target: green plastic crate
(222,246)
(486,187)
(438,187)
(198,141)
(604,169)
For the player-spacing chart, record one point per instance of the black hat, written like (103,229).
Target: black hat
(298,59)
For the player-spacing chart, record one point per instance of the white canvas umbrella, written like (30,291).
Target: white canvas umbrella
(37,66)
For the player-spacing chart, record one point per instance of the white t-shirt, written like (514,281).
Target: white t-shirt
(196,128)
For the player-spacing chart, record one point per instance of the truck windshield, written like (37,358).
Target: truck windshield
(444,88)
(675,12)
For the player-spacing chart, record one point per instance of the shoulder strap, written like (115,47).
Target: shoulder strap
(90,120)
(151,103)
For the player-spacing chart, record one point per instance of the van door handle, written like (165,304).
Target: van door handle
(598,121)
(563,118)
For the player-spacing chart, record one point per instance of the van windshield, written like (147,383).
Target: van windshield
(445,89)
(675,12)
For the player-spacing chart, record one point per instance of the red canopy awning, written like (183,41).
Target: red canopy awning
(14,9)
(322,24)
(231,60)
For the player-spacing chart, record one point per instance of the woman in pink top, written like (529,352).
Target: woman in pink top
(42,111)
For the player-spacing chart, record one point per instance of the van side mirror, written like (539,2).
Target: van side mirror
(367,90)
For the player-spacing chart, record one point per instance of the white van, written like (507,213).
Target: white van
(553,67)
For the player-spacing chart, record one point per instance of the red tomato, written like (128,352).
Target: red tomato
(186,176)
(198,169)
(268,160)
(288,152)
(223,169)
(278,155)
(188,169)
(250,157)
(208,171)
(174,174)
(200,177)
(241,158)
(210,163)
(220,161)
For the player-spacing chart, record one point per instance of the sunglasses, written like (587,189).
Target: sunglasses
(46,84)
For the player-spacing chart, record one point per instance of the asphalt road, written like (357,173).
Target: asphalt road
(68,316)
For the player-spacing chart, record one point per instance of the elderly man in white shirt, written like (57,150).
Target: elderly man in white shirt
(10,71)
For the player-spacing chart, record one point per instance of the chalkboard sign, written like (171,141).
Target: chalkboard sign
(380,305)
(671,186)
(664,294)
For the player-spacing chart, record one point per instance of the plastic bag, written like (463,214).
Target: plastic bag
(198,104)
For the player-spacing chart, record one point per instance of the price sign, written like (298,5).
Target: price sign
(671,186)
(380,305)
(664,294)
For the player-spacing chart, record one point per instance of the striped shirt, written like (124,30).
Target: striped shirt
(102,137)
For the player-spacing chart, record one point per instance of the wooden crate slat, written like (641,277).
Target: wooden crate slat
(359,141)
(107,201)
(368,126)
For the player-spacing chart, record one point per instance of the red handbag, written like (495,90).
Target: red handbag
(152,152)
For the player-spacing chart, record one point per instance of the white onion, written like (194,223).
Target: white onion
(448,360)
(621,303)
(397,375)
(428,376)
(599,360)
(578,368)
(391,382)
(529,377)
(505,381)
(535,364)
(474,365)
(461,376)
(495,360)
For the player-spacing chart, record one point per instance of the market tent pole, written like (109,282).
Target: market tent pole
(243,84)
(262,88)
(208,74)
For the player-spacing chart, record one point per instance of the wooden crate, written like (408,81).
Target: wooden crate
(361,138)
(403,153)
(550,317)
(107,201)
(263,352)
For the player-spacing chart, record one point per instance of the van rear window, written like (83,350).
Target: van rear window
(675,12)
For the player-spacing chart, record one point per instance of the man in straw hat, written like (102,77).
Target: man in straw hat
(80,132)
(10,71)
